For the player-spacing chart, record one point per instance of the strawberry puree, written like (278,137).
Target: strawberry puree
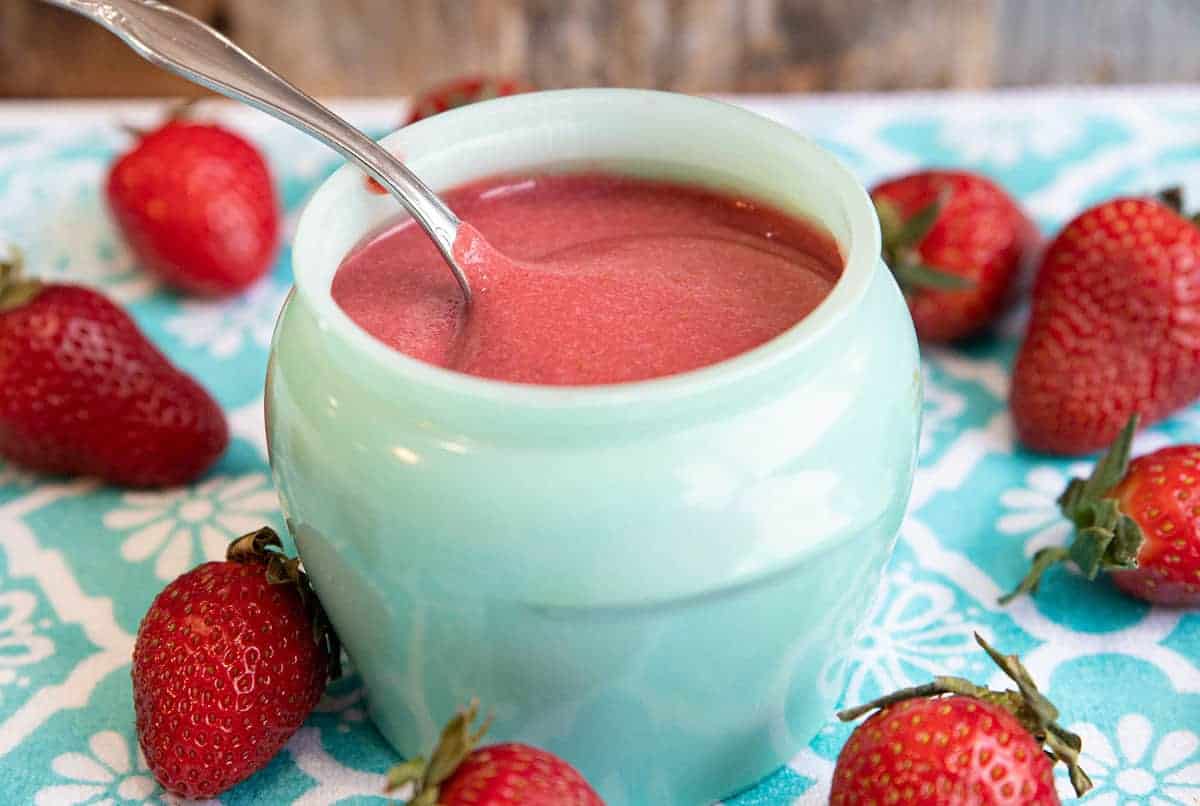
(589,279)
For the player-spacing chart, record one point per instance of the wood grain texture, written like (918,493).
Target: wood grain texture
(394,47)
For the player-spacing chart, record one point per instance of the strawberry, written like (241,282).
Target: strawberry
(229,661)
(1139,521)
(955,242)
(197,206)
(1115,327)
(952,742)
(452,94)
(462,91)
(82,391)
(461,774)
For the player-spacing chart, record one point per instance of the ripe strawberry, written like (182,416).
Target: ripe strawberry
(463,91)
(83,392)
(955,242)
(952,742)
(1115,327)
(197,206)
(1138,520)
(452,94)
(459,774)
(229,661)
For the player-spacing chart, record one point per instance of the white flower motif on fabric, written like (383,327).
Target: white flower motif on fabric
(942,406)
(249,423)
(169,523)
(106,774)
(992,136)
(1032,510)
(1139,769)
(20,645)
(1188,421)
(71,239)
(350,706)
(224,327)
(913,634)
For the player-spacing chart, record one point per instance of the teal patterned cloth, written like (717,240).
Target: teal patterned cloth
(80,563)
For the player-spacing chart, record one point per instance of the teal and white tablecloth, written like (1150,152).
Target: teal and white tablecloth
(80,563)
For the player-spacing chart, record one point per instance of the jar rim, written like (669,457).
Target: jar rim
(554,117)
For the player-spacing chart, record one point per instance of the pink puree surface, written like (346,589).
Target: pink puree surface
(599,279)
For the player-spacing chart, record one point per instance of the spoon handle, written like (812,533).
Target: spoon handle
(184,45)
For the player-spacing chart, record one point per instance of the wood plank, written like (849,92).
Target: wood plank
(48,52)
(1097,41)
(395,47)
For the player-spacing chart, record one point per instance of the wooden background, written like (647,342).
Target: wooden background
(393,47)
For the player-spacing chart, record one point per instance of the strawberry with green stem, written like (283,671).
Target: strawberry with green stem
(229,660)
(955,242)
(953,742)
(460,773)
(1137,521)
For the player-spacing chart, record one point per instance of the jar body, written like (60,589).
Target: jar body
(658,587)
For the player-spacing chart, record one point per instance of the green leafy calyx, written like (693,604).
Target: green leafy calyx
(1173,197)
(15,290)
(457,742)
(901,248)
(1106,539)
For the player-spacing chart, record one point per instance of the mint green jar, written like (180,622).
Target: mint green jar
(653,580)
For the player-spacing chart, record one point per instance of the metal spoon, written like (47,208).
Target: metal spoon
(183,44)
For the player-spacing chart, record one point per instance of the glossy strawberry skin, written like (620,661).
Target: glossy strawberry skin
(1161,492)
(949,750)
(516,775)
(460,92)
(981,235)
(225,669)
(1114,328)
(83,392)
(197,206)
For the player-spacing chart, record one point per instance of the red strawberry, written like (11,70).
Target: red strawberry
(83,392)
(459,774)
(459,92)
(197,206)
(952,742)
(463,91)
(229,661)
(1138,520)
(955,242)
(1115,327)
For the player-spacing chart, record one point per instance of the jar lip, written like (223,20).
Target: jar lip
(860,248)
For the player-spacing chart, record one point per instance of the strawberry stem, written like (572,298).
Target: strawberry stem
(1105,537)
(911,273)
(16,290)
(914,230)
(901,247)
(264,546)
(1036,713)
(939,686)
(178,109)
(457,742)
(1172,197)
(1043,560)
